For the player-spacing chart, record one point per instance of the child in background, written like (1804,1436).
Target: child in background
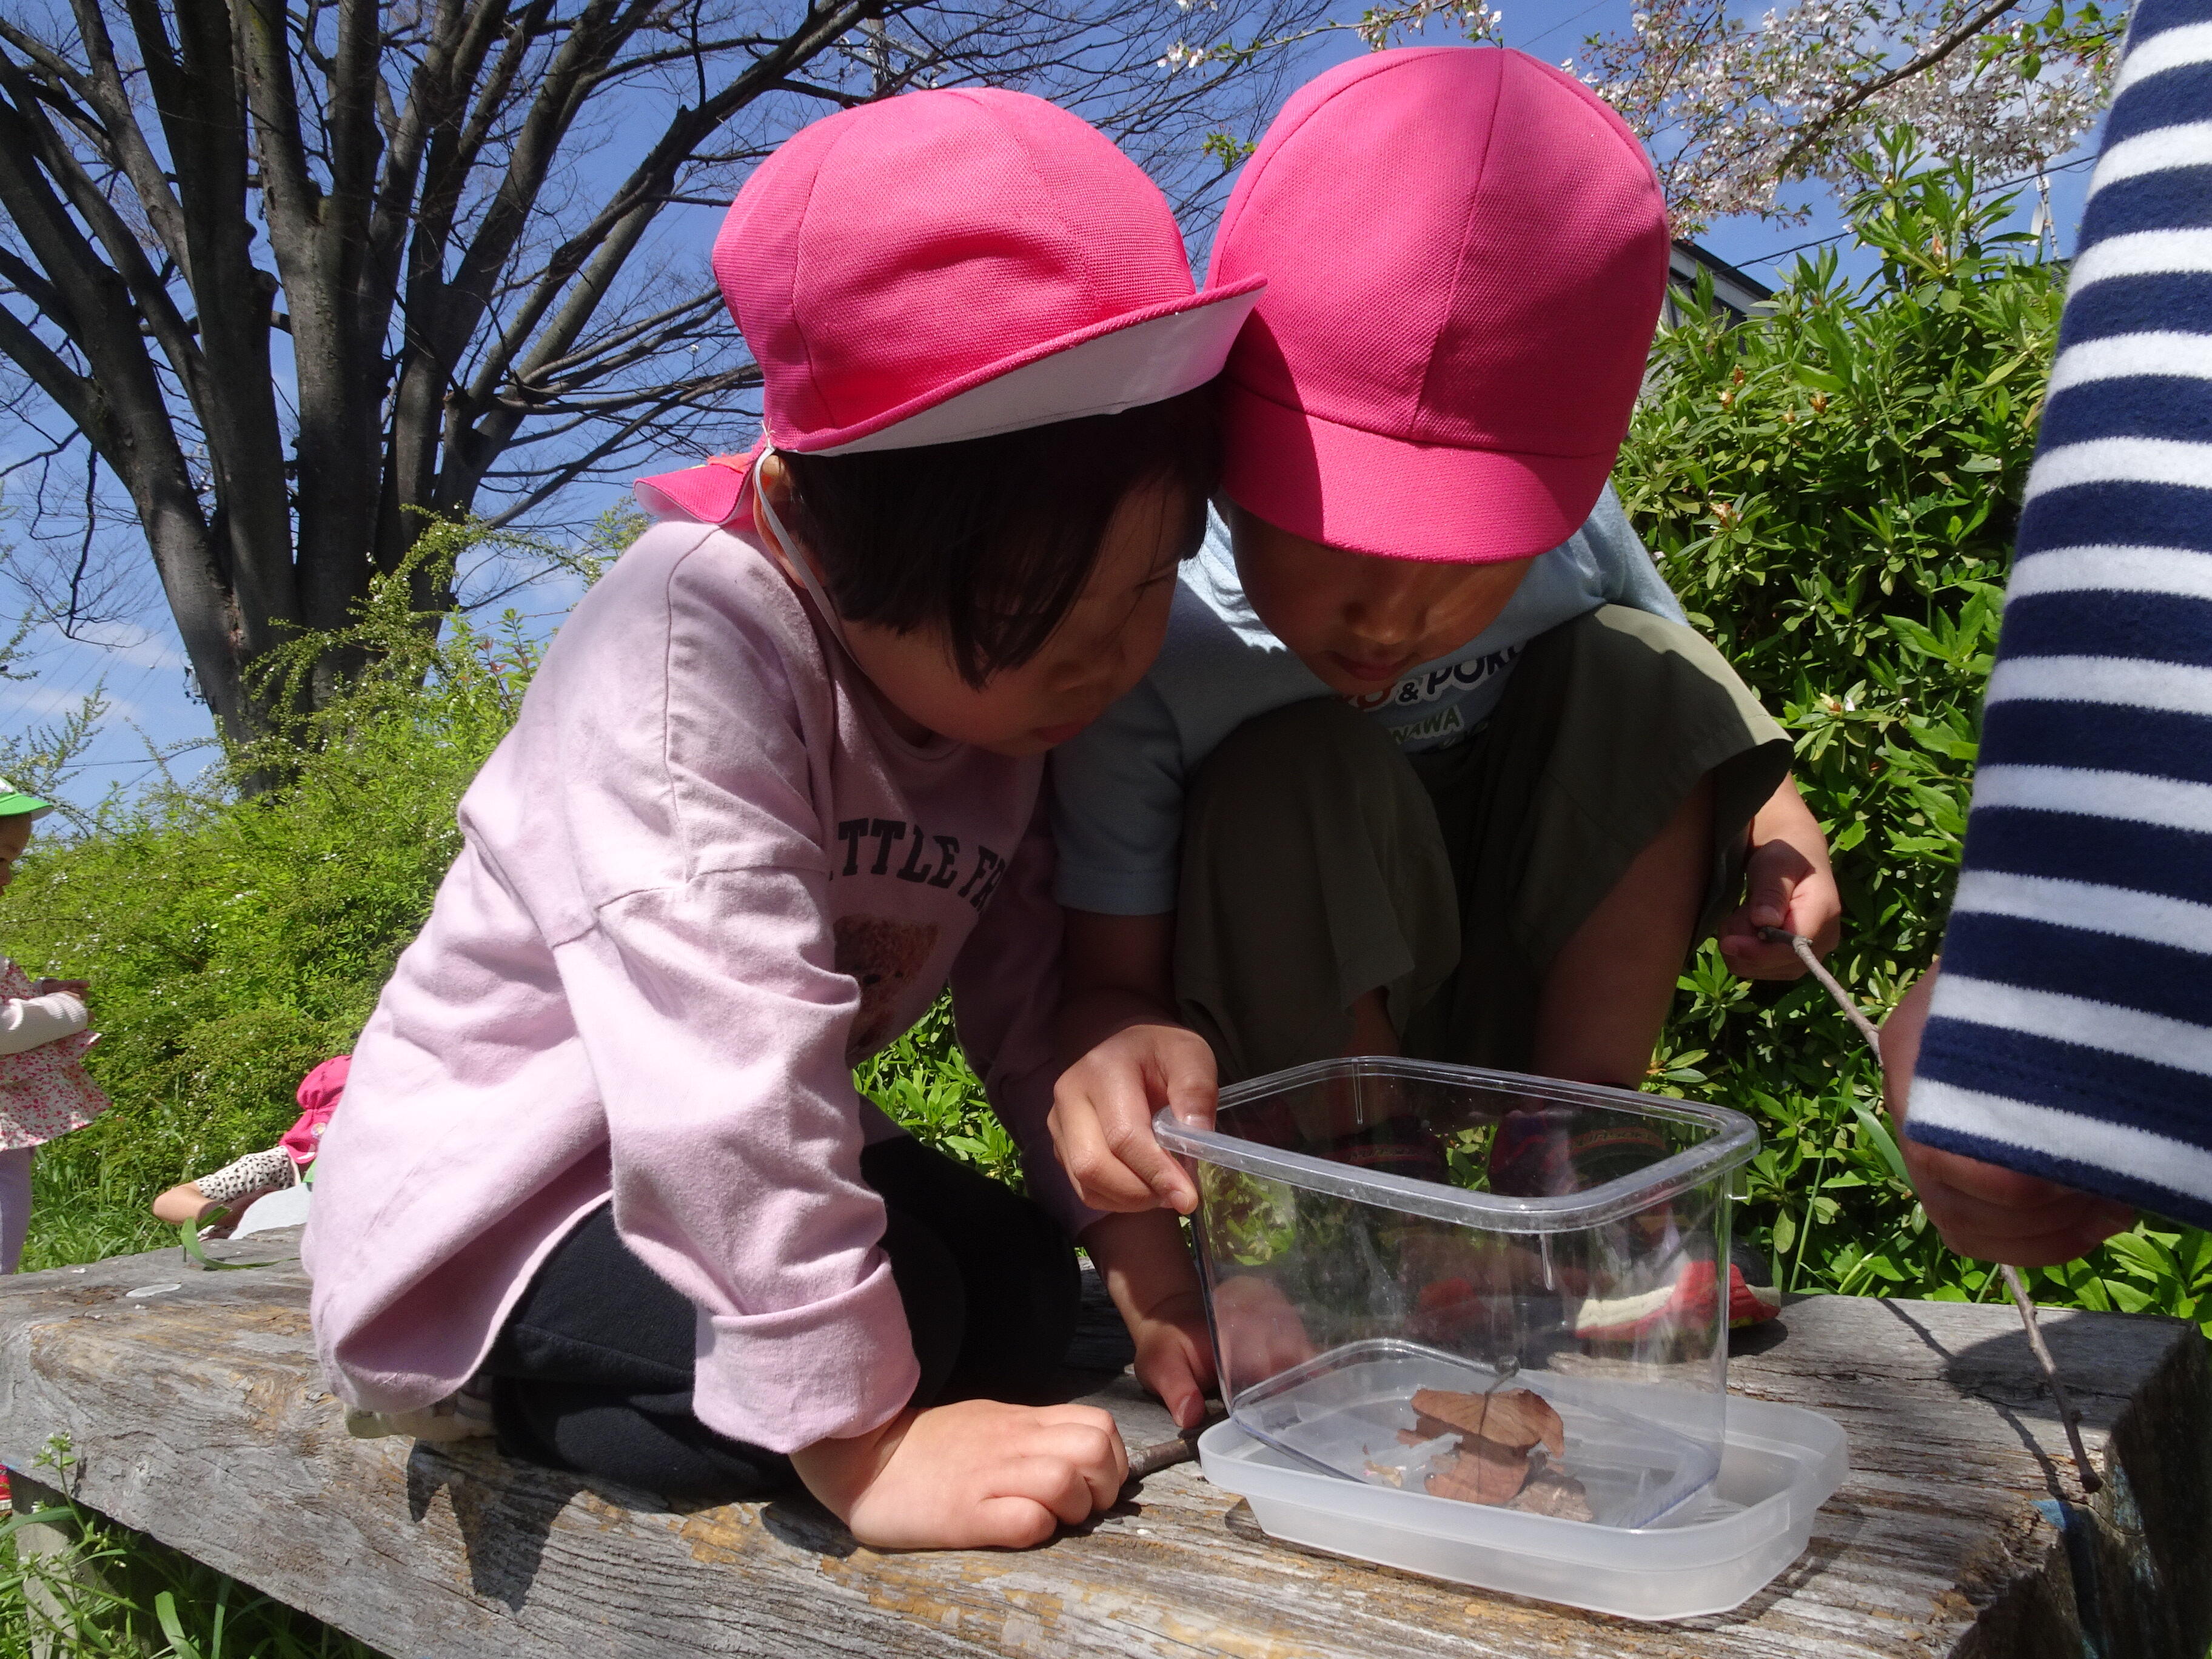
(217,1203)
(1430,762)
(601,1162)
(44,1090)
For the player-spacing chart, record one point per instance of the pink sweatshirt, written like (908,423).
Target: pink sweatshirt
(701,878)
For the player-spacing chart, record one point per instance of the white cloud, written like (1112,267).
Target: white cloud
(21,703)
(136,647)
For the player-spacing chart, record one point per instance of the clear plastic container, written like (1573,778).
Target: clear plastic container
(1779,1465)
(1370,1229)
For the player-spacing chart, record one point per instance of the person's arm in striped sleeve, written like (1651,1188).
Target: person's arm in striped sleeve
(2064,1071)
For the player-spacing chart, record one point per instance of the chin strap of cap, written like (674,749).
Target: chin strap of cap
(767,522)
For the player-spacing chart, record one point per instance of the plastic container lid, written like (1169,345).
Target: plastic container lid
(1779,1465)
(1726,1139)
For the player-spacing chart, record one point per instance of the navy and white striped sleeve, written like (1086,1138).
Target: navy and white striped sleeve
(2070,1035)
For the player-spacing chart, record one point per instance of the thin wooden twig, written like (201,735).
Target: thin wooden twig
(2092,1482)
(2068,1413)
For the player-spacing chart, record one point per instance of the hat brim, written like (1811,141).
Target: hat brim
(1347,486)
(1146,356)
(19,806)
(713,493)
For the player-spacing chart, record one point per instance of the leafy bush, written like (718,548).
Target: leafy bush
(1832,489)
(926,1084)
(232,940)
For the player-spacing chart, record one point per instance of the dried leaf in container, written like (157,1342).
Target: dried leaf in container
(1483,1472)
(1520,1418)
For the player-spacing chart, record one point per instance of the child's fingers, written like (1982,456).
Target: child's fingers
(1769,885)
(1059,1483)
(1996,1214)
(1170,1372)
(1086,1435)
(1099,1462)
(1749,957)
(1013,1523)
(1191,1082)
(2045,1239)
(1125,1116)
(1101,1179)
(1164,1178)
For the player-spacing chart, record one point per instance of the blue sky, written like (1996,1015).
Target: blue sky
(141,666)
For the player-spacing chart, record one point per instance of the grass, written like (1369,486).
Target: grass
(117,1593)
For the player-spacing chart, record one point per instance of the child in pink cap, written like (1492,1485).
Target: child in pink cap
(1431,761)
(601,1166)
(216,1202)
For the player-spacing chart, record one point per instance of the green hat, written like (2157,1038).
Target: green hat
(15,803)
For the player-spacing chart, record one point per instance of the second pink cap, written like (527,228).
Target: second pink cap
(1466,251)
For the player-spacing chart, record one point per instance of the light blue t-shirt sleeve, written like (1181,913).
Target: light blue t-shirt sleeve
(1117,809)
(1625,565)
(1119,786)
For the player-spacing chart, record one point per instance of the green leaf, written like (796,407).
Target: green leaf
(165,1609)
(1885,1143)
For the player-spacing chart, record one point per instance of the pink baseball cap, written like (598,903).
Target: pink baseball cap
(1466,252)
(951,264)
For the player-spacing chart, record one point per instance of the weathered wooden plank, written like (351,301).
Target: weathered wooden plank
(193,1415)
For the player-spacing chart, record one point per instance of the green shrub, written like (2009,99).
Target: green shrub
(235,941)
(1832,489)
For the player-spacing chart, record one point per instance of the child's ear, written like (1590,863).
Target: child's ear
(775,482)
(775,479)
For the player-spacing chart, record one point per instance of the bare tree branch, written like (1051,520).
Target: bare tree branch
(453,210)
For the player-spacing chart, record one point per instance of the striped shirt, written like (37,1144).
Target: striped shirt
(2071,1031)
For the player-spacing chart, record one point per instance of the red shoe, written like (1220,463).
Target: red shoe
(1753,1299)
(1754,1296)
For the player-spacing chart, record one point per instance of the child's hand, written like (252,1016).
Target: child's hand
(1148,1272)
(974,1475)
(1260,1330)
(1102,1116)
(1984,1210)
(183,1203)
(1787,884)
(75,987)
(1175,1355)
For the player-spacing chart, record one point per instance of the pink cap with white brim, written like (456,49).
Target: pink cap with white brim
(1466,251)
(953,264)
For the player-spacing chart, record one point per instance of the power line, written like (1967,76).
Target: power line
(1556,28)
(2001,183)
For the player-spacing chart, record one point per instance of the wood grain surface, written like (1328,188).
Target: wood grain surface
(193,1412)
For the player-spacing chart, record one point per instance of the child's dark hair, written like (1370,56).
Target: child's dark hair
(991,540)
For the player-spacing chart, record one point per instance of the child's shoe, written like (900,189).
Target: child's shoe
(465,1415)
(1400,1145)
(1754,1297)
(1687,1300)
